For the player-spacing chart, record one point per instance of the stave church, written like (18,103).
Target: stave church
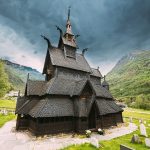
(72,98)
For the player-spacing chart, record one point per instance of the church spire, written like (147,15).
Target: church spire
(68,24)
(69,12)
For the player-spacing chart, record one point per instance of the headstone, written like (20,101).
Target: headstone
(95,142)
(147,142)
(123,147)
(141,121)
(143,130)
(135,139)
(5,112)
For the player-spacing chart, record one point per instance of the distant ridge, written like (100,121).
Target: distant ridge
(131,75)
(17,74)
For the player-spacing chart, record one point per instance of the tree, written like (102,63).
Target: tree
(4,83)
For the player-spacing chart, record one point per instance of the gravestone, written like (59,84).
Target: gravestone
(143,130)
(135,139)
(147,142)
(95,142)
(5,112)
(123,147)
(141,121)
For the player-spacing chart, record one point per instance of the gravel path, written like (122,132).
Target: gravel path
(12,140)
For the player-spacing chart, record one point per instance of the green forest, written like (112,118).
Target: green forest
(13,76)
(5,86)
(130,79)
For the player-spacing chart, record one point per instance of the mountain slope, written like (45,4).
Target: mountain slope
(4,83)
(17,74)
(131,75)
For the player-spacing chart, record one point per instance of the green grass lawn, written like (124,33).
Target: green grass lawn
(4,119)
(8,104)
(85,146)
(114,144)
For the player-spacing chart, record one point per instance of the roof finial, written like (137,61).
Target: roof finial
(19,93)
(28,77)
(69,12)
(47,40)
(84,50)
(60,30)
(104,77)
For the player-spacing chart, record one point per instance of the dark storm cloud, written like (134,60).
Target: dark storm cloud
(109,28)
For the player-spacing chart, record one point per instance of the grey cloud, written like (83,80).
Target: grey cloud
(109,28)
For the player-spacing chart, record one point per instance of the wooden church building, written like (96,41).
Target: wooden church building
(72,97)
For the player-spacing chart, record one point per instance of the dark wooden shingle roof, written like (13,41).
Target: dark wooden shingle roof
(96,73)
(56,107)
(58,59)
(69,43)
(53,107)
(64,86)
(107,107)
(36,87)
(26,106)
(101,91)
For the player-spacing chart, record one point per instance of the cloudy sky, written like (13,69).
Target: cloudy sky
(109,28)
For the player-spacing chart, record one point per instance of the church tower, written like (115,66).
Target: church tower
(67,40)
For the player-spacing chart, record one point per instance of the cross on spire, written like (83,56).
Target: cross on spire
(104,77)
(69,12)
(68,24)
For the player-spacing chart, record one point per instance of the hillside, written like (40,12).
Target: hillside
(17,74)
(131,76)
(4,83)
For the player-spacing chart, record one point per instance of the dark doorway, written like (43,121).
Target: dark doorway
(92,117)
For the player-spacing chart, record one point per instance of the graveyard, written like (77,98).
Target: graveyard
(114,144)
(129,115)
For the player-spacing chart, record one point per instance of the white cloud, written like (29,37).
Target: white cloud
(18,49)
(104,66)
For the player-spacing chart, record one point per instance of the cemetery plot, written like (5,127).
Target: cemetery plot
(138,117)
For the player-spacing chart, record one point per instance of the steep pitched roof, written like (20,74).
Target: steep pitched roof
(20,102)
(101,91)
(25,104)
(53,107)
(105,83)
(58,59)
(107,106)
(36,87)
(69,43)
(96,73)
(64,86)
(48,107)
(61,86)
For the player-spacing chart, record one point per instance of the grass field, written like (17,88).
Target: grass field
(7,104)
(85,146)
(4,119)
(114,144)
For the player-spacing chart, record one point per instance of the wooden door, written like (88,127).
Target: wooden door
(92,117)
